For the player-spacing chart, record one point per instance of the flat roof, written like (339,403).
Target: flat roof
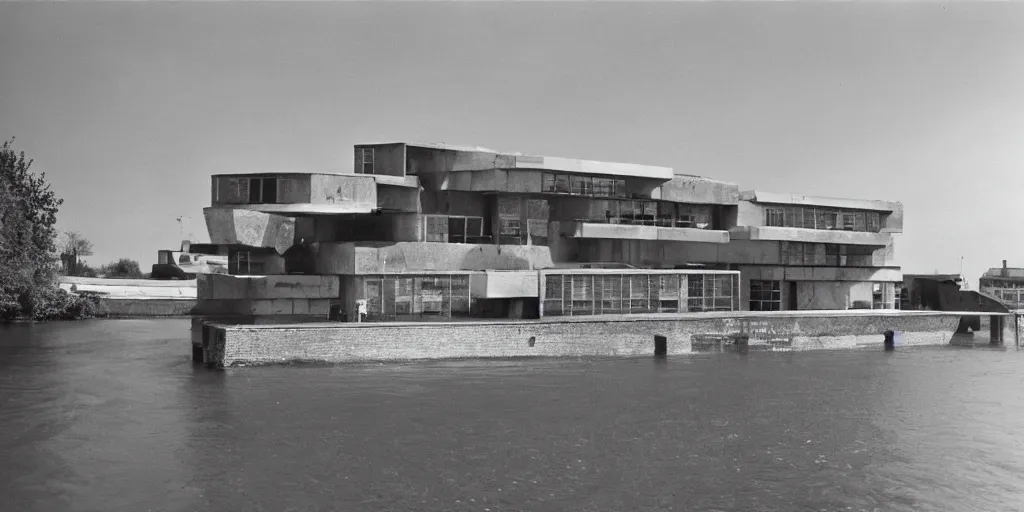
(569,165)
(758,196)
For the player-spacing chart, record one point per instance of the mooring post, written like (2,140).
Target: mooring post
(890,340)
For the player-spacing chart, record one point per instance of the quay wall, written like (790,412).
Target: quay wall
(230,345)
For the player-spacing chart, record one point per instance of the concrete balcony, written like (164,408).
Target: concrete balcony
(818,236)
(231,226)
(638,232)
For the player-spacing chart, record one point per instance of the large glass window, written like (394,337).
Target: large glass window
(412,297)
(821,218)
(637,293)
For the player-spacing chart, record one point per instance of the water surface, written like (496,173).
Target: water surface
(111,415)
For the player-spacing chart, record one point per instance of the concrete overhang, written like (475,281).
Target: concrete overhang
(306,208)
(592,167)
(818,236)
(634,232)
(757,196)
(222,286)
(684,188)
(502,160)
(788,273)
(235,226)
(502,284)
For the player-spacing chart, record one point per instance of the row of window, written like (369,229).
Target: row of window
(767,296)
(552,183)
(808,217)
(834,255)
(654,213)
(410,297)
(587,294)
(1010,296)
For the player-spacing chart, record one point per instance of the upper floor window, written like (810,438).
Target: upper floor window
(262,190)
(552,183)
(364,161)
(454,229)
(848,255)
(821,218)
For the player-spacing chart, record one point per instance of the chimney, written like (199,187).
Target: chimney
(1005,273)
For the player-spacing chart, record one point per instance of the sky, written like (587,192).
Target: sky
(130,107)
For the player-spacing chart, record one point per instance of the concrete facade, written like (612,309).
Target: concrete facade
(410,209)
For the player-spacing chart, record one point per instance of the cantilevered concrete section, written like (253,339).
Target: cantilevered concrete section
(229,226)
(633,232)
(686,188)
(758,196)
(409,158)
(809,236)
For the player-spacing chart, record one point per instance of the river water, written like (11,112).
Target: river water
(111,415)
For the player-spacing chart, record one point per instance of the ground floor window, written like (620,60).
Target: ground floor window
(766,295)
(634,293)
(883,295)
(406,297)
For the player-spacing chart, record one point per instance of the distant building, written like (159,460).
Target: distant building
(1005,284)
(422,231)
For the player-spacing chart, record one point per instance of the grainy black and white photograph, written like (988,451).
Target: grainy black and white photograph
(511,256)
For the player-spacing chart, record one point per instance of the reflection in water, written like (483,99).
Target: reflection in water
(112,415)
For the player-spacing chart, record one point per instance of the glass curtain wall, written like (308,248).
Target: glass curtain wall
(580,294)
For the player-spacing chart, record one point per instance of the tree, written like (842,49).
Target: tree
(123,268)
(28,215)
(73,247)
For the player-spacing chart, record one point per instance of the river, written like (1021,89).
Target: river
(111,415)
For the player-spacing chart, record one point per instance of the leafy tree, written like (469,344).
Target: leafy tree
(73,247)
(123,268)
(28,215)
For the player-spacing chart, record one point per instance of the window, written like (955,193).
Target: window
(436,227)
(773,217)
(555,183)
(184,259)
(874,222)
(582,185)
(765,295)
(693,216)
(668,294)
(511,228)
(245,265)
(582,294)
(553,295)
(883,295)
(364,160)
(552,183)
(798,253)
(262,190)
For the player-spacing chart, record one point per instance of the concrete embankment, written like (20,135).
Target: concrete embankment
(137,297)
(630,336)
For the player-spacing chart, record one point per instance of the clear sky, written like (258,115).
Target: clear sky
(129,107)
